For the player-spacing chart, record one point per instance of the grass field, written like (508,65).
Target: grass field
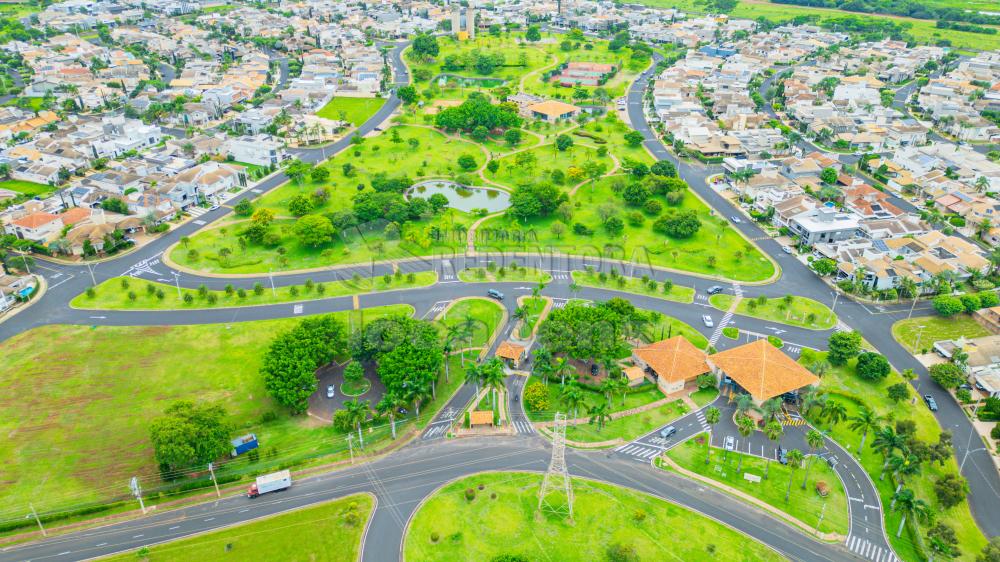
(548,160)
(909,332)
(715,250)
(329,531)
(532,314)
(353,110)
(79,399)
(850,390)
(111,295)
(482,315)
(29,188)
(677,293)
(635,397)
(805,505)
(18,9)
(802,311)
(501,520)
(627,428)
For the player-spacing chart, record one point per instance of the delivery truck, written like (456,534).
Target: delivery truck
(273,482)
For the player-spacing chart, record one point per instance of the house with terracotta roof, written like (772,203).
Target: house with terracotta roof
(673,363)
(512,353)
(761,370)
(552,110)
(38,227)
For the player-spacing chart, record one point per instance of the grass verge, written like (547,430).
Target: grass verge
(671,292)
(796,311)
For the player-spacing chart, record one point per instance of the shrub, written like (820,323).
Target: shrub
(947,305)
(950,490)
(639,516)
(970,302)
(822,489)
(872,366)
(435,537)
(618,552)
(470,494)
(988,299)
(963,395)
(995,432)
(947,375)
(775,341)
(536,397)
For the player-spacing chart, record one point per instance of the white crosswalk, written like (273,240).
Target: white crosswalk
(437,431)
(196,211)
(639,451)
(523,427)
(700,416)
(718,329)
(869,550)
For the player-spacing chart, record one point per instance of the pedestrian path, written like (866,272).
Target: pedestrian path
(522,427)
(196,211)
(437,431)
(738,293)
(868,550)
(639,451)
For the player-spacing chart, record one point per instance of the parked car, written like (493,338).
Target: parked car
(214,207)
(786,249)
(714,290)
(495,294)
(832,461)
(331,391)
(736,219)
(980,386)
(593,369)
(730,443)
(708,321)
(666,432)
(931,403)
(965,386)
(781,455)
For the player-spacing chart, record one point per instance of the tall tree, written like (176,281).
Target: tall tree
(908,505)
(794,462)
(864,421)
(773,431)
(815,441)
(712,417)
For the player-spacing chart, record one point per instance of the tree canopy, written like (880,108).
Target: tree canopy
(477,111)
(189,435)
(290,363)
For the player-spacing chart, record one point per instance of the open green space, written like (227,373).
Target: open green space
(715,249)
(531,308)
(704,396)
(806,505)
(796,311)
(18,9)
(676,293)
(485,275)
(500,519)
(29,188)
(32,104)
(664,327)
(542,162)
(66,388)
(353,110)
(844,387)
(634,398)
(471,321)
(329,531)
(910,334)
(112,295)
(627,428)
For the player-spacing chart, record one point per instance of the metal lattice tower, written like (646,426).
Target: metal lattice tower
(556,478)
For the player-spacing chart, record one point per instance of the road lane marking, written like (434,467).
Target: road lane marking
(174,527)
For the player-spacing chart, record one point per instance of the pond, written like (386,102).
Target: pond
(462,197)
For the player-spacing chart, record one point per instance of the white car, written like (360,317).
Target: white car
(331,391)
(736,219)
(730,443)
(708,321)
(214,207)
(786,249)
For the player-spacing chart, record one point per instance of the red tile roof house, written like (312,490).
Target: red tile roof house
(38,227)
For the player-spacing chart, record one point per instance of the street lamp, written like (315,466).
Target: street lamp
(177,282)
(920,332)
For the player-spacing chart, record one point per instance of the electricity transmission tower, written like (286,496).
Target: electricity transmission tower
(556,479)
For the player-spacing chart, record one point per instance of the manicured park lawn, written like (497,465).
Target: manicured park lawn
(329,531)
(677,293)
(484,275)
(847,388)
(28,188)
(704,396)
(476,317)
(802,311)
(89,392)
(111,295)
(546,160)
(532,308)
(664,327)
(353,110)
(448,527)
(628,427)
(715,250)
(805,505)
(635,397)
(935,328)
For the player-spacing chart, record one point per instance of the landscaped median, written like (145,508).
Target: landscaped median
(470,322)
(806,506)
(792,310)
(329,531)
(126,293)
(643,286)
(485,516)
(497,274)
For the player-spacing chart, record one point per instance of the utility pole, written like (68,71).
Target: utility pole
(177,282)
(211,469)
(920,332)
(274,292)
(90,268)
(350,445)
(37,520)
(972,430)
(137,492)
(913,306)
(557,477)
(821,514)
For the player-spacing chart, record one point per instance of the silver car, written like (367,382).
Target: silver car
(331,391)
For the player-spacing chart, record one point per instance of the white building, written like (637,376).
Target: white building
(262,150)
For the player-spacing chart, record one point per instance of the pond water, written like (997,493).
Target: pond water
(462,197)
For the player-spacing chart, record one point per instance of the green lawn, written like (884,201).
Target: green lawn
(665,327)
(715,250)
(111,295)
(501,520)
(329,531)
(845,387)
(353,110)
(677,293)
(909,332)
(627,428)
(704,396)
(482,315)
(65,388)
(547,159)
(802,311)
(484,275)
(33,104)
(635,397)
(532,314)
(805,505)
(29,188)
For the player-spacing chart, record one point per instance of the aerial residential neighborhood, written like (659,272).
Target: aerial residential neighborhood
(512,281)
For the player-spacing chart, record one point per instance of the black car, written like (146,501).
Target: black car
(714,290)
(931,403)
(593,369)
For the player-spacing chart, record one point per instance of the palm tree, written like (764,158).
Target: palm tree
(773,431)
(744,404)
(418,391)
(563,369)
(834,412)
(468,325)
(770,409)
(712,416)
(819,368)
(903,466)
(493,378)
(815,440)
(794,462)
(908,505)
(886,442)
(866,420)
(813,398)
(572,396)
(622,386)
(745,426)
(389,405)
(357,412)
(608,386)
(473,375)
(599,414)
